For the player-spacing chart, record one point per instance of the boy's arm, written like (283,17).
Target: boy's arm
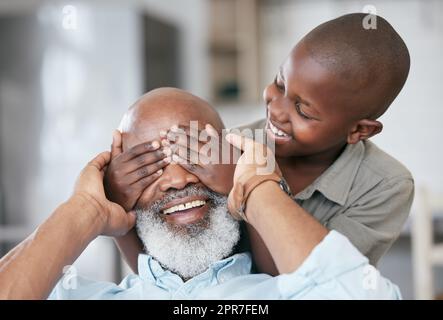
(261,256)
(372,224)
(289,232)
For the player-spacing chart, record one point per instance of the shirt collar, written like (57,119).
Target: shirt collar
(335,183)
(228,268)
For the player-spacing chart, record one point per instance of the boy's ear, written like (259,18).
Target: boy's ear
(364,129)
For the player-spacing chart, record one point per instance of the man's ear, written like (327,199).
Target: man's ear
(364,129)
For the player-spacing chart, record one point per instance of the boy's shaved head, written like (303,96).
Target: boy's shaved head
(372,62)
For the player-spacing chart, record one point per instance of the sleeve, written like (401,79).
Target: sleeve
(323,276)
(375,221)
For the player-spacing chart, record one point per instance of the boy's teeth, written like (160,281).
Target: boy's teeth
(184,206)
(277,131)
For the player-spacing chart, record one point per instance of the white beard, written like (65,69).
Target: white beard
(189,250)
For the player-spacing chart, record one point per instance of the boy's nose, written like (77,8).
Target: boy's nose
(270,93)
(175,177)
(276,103)
(278,109)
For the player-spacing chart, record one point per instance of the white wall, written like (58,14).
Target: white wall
(190,17)
(85,78)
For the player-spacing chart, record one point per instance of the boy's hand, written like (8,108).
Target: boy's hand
(132,171)
(257,158)
(201,153)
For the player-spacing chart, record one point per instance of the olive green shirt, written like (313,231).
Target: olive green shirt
(365,194)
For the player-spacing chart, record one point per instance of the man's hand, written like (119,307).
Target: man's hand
(206,154)
(33,267)
(132,171)
(112,218)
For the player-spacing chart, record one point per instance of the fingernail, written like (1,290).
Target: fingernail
(165,143)
(173,148)
(114,135)
(159,172)
(167,151)
(167,159)
(155,144)
(170,136)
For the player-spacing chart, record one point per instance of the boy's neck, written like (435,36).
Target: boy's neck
(312,164)
(300,172)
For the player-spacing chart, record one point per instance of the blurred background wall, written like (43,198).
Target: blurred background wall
(70,69)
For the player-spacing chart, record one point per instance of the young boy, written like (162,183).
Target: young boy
(321,110)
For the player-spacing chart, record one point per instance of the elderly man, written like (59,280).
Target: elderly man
(188,234)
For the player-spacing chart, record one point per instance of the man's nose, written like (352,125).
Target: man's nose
(175,177)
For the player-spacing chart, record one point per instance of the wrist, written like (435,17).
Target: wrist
(259,197)
(88,213)
(244,185)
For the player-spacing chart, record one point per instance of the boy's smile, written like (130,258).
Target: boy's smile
(277,134)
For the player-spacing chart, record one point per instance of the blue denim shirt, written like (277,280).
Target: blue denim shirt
(335,269)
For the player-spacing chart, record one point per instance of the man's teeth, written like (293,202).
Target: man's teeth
(184,206)
(277,131)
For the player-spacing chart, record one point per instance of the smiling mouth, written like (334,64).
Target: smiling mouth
(184,207)
(278,132)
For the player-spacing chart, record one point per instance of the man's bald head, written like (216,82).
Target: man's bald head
(161,108)
(371,62)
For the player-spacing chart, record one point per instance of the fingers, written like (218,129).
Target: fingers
(211,130)
(194,144)
(188,166)
(184,141)
(190,155)
(146,181)
(238,141)
(187,130)
(101,160)
(145,172)
(185,133)
(120,222)
(116,146)
(144,160)
(131,220)
(140,149)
